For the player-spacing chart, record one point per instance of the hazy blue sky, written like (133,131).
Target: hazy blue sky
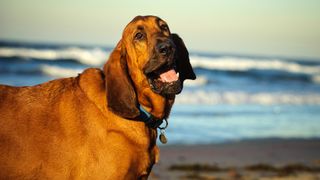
(266,27)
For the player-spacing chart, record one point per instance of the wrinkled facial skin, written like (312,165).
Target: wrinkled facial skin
(153,54)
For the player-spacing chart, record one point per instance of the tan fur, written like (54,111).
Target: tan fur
(67,129)
(70,133)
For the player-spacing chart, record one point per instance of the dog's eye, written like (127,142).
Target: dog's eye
(164,27)
(139,36)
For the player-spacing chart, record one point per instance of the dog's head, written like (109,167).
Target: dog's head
(148,56)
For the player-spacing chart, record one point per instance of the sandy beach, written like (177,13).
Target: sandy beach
(251,159)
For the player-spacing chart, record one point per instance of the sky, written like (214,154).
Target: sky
(289,28)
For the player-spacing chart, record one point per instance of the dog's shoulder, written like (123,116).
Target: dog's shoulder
(91,75)
(92,84)
(91,81)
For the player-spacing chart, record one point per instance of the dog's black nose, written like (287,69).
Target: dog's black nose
(164,48)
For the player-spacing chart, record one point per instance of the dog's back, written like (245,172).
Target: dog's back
(29,126)
(47,130)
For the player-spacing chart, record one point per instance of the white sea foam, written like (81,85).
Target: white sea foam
(57,71)
(245,64)
(94,56)
(236,98)
(97,56)
(200,81)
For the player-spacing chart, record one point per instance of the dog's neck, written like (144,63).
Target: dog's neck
(155,104)
(150,120)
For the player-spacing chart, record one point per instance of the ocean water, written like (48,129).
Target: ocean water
(235,97)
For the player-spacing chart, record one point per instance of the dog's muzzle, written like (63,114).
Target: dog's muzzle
(161,71)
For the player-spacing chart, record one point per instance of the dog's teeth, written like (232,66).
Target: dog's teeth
(178,74)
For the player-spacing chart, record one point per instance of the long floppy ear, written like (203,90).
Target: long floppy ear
(182,59)
(121,96)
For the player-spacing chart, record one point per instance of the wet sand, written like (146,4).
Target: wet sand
(252,159)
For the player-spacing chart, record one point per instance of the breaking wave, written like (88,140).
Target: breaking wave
(236,98)
(98,56)
(57,71)
(95,56)
(245,64)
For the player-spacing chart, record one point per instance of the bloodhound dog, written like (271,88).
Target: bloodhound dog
(101,124)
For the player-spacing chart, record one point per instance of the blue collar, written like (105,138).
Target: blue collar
(149,119)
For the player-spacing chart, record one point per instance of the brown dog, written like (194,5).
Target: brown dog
(101,124)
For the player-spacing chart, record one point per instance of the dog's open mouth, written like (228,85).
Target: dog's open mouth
(165,81)
(169,76)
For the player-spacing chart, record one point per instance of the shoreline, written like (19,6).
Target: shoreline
(270,153)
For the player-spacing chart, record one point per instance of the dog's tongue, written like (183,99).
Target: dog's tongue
(169,76)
